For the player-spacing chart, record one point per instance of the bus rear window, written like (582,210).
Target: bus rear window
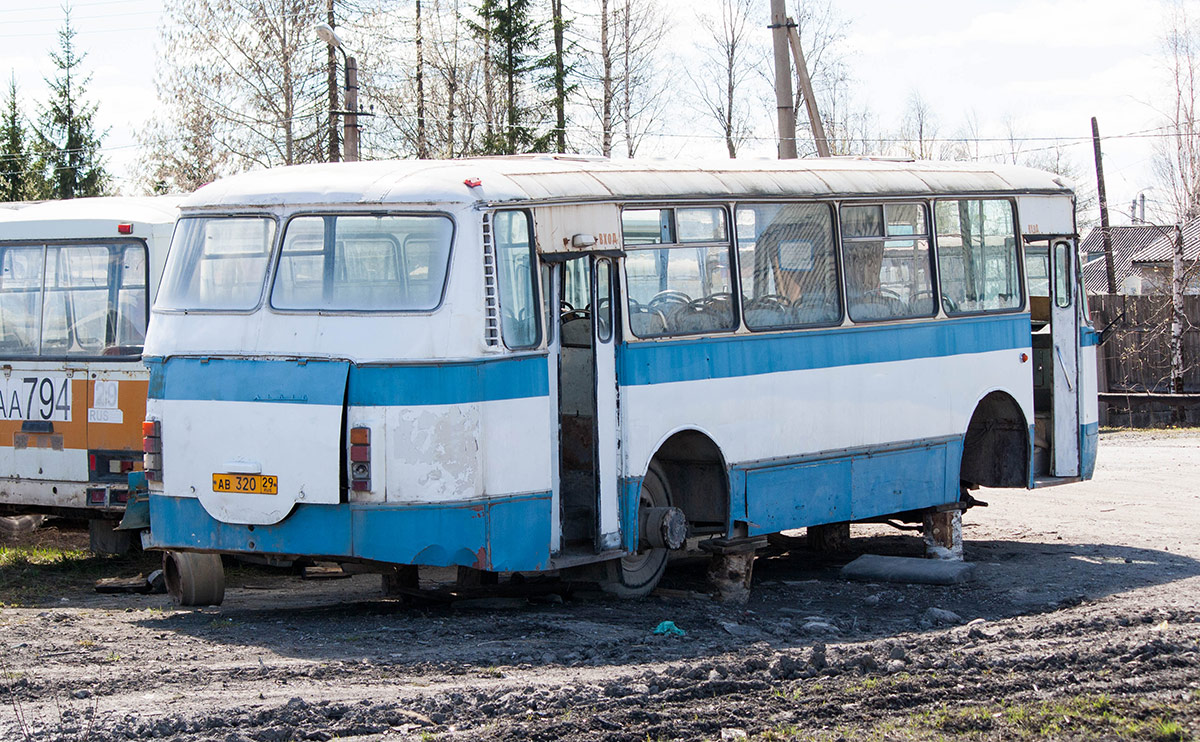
(217,263)
(363,263)
(73,300)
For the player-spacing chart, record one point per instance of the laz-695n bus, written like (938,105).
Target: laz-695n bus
(544,362)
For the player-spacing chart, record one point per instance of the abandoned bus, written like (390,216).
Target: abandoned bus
(538,363)
(76,281)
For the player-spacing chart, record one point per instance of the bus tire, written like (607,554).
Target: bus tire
(636,575)
(194,579)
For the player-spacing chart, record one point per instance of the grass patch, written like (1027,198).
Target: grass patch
(1075,717)
(36,574)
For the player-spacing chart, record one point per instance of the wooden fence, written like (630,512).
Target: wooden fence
(1136,356)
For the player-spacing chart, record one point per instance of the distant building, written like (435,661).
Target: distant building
(1142,256)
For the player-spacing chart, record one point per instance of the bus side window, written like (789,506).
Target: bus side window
(887,261)
(514,272)
(977,256)
(678,289)
(788,265)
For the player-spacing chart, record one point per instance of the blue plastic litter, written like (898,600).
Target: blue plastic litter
(669,628)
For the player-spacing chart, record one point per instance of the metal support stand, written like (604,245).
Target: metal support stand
(732,566)
(943,534)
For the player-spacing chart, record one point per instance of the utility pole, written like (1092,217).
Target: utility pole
(350,134)
(1109,268)
(784,112)
(333,92)
(810,98)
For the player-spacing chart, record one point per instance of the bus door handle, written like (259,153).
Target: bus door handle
(1063,365)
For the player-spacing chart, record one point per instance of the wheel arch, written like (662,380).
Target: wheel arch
(996,443)
(697,474)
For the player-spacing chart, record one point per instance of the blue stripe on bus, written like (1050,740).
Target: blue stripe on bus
(450,383)
(1089,440)
(243,380)
(499,534)
(324,382)
(745,355)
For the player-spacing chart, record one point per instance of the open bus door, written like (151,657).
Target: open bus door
(583,363)
(1054,298)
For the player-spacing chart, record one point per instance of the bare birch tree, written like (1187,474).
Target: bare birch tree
(251,74)
(730,57)
(625,84)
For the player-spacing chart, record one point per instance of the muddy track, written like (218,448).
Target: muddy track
(1084,623)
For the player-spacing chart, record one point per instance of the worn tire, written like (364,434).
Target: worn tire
(194,579)
(637,575)
(104,538)
(15,525)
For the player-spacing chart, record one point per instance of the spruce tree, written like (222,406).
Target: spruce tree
(67,141)
(16,176)
(513,37)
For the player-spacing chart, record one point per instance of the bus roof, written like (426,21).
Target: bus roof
(565,179)
(86,217)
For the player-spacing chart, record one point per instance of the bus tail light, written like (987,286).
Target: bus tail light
(97,496)
(152,450)
(360,459)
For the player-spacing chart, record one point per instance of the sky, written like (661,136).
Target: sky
(1048,65)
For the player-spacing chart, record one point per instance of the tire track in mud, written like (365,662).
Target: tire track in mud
(1151,655)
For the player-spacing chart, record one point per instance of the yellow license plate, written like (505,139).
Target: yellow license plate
(250,484)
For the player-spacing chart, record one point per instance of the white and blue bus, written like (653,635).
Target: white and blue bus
(540,362)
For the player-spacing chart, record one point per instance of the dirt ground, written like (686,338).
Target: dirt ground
(1083,623)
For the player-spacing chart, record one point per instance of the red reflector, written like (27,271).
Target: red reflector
(361,485)
(96,496)
(360,453)
(472,182)
(124,229)
(126,466)
(91,462)
(119,497)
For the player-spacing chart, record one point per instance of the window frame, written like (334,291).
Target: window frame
(621,276)
(277,256)
(934,277)
(1019,248)
(115,246)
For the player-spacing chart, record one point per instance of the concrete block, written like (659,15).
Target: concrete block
(875,568)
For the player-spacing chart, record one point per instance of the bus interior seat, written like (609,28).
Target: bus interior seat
(646,322)
(577,329)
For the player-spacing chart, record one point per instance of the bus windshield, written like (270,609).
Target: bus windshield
(217,263)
